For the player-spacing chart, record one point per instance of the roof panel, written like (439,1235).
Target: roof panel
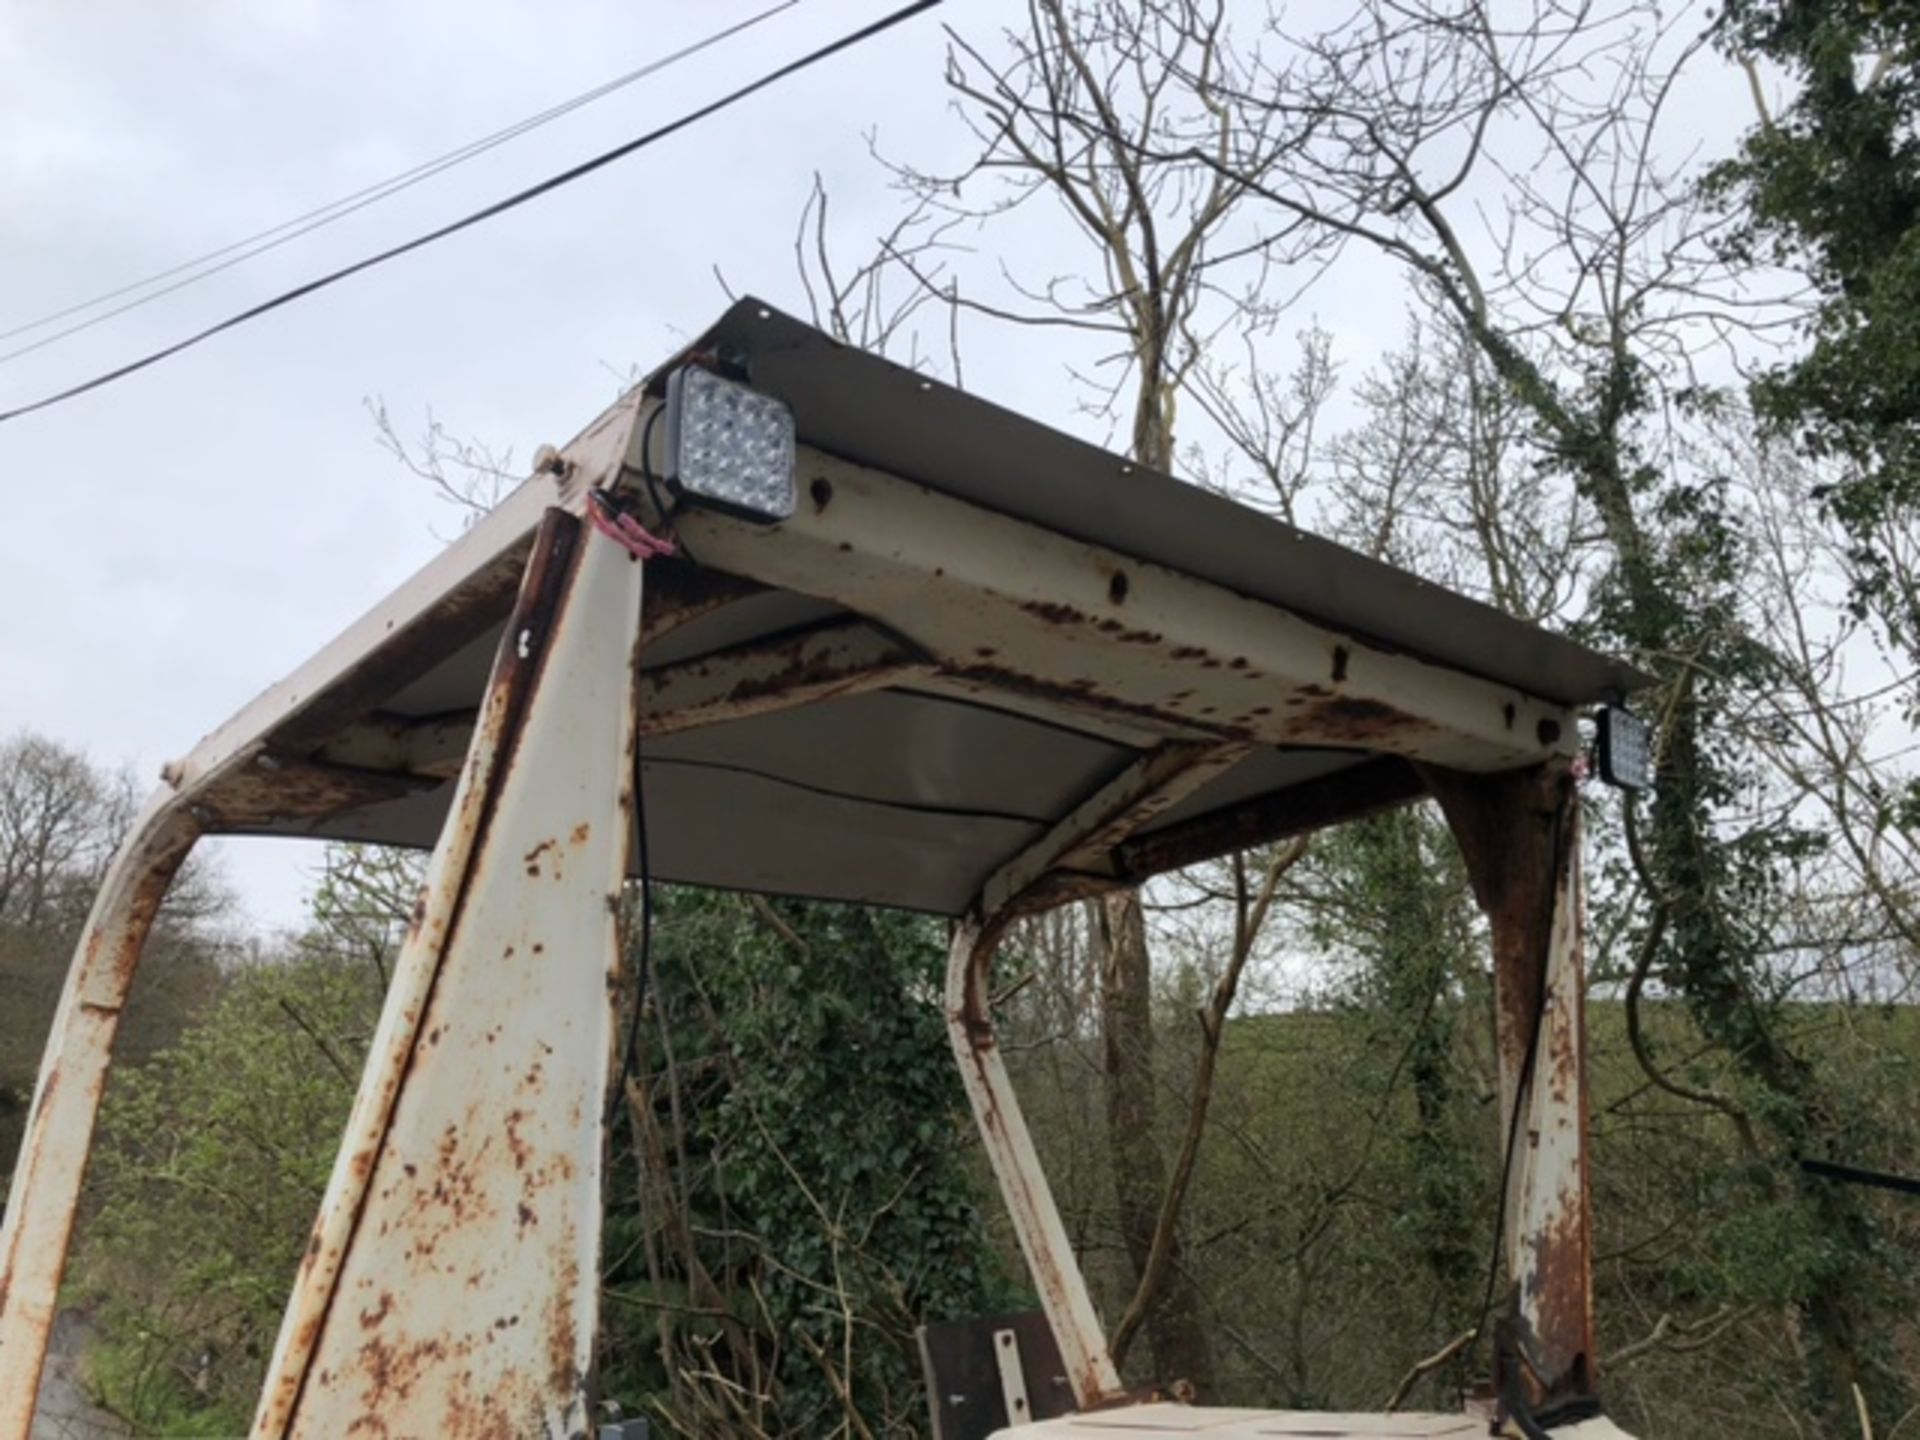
(874,412)
(914,785)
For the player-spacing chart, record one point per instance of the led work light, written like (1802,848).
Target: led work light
(728,446)
(1625,745)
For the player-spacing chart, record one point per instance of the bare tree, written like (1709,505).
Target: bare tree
(1084,93)
(1525,170)
(56,827)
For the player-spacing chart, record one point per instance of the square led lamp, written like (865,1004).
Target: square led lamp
(1625,745)
(728,446)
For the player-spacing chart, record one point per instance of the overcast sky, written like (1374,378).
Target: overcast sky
(174,543)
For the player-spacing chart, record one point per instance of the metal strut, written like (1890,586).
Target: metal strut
(451,1282)
(1003,1131)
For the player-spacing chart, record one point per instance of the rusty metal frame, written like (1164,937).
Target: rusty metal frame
(66,1101)
(452,1279)
(1519,833)
(1549,1233)
(1016,1167)
(1042,876)
(762,677)
(1157,781)
(239,775)
(1190,675)
(1037,621)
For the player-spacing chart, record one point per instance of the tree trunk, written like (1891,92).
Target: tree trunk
(1175,1326)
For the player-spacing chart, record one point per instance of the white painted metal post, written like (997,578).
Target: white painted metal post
(66,1100)
(1519,833)
(1549,1239)
(451,1284)
(1023,1184)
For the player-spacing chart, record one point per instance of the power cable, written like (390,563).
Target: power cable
(499,207)
(1854,1175)
(288,231)
(643,964)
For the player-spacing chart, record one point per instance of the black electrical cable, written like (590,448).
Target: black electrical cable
(854,797)
(1536,1424)
(643,966)
(499,207)
(1854,1175)
(192,272)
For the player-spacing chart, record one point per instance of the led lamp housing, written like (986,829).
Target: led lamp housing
(1625,745)
(728,446)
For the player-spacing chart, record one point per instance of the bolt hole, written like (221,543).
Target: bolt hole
(1339,663)
(1548,731)
(822,492)
(1117,587)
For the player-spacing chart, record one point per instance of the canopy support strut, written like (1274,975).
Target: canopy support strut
(1519,833)
(452,1278)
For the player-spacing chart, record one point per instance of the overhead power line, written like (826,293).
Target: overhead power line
(203,267)
(499,207)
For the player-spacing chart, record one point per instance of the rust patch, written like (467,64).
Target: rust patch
(369,1319)
(1378,784)
(1556,1292)
(1054,613)
(1349,719)
(564,1372)
(249,798)
(678,592)
(516,1143)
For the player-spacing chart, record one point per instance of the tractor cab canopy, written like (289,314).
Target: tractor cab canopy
(914,651)
(970,625)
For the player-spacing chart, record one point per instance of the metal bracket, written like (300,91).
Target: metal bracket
(1013,1383)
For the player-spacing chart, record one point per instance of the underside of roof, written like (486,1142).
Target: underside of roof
(982,654)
